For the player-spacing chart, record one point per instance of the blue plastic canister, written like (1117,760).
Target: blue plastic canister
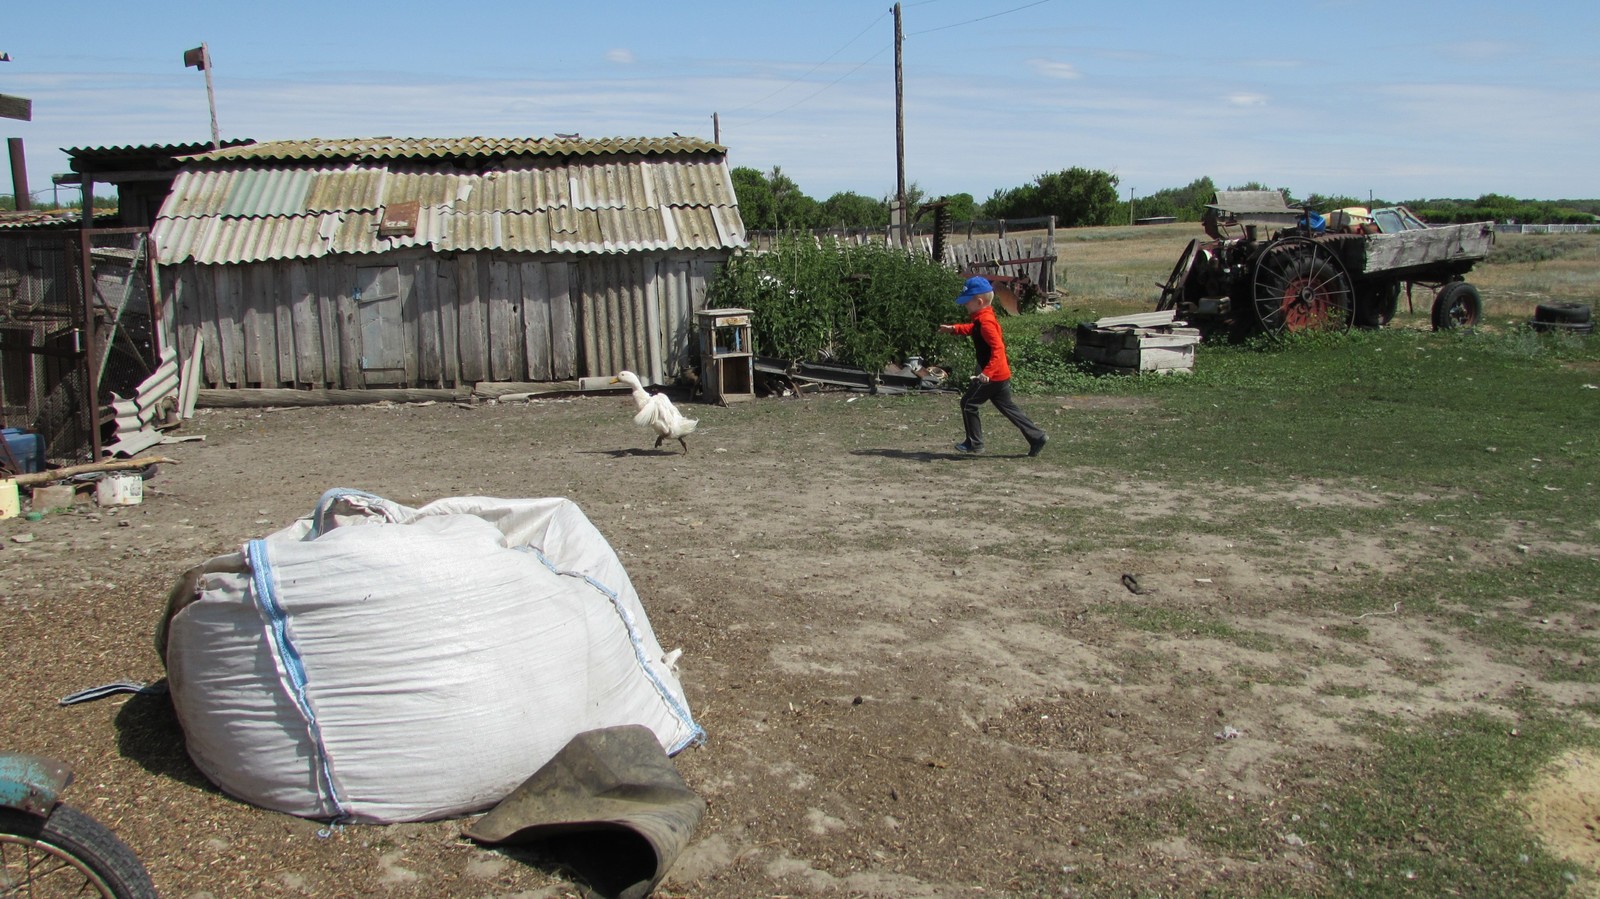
(26,447)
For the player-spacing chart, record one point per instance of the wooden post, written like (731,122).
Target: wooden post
(200,58)
(22,200)
(900,134)
(91,355)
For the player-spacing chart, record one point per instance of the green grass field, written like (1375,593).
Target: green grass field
(1494,432)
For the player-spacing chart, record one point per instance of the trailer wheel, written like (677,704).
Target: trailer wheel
(1377,304)
(1300,285)
(1458,305)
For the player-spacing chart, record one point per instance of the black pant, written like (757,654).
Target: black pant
(998,393)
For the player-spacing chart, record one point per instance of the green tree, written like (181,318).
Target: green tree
(1186,204)
(773,201)
(963,208)
(852,210)
(754,196)
(1326,203)
(1079,197)
(793,209)
(1011,203)
(1076,197)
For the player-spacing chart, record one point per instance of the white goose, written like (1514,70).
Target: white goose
(656,412)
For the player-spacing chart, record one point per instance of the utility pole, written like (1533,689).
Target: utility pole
(900,134)
(1130,204)
(17,108)
(200,58)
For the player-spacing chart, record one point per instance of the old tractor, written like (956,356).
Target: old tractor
(1321,274)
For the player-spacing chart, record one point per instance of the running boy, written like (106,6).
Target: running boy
(993,381)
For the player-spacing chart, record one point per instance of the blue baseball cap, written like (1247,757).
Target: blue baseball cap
(975,285)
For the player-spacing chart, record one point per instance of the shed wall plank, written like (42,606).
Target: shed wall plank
(307,325)
(408,318)
(505,332)
(349,318)
(283,307)
(535,292)
(564,321)
(450,319)
(326,275)
(425,284)
(251,323)
(227,296)
(469,293)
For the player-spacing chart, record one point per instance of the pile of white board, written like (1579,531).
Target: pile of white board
(1130,344)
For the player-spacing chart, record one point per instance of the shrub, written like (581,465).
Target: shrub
(823,300)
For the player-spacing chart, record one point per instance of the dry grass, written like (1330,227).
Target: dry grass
(1525,270)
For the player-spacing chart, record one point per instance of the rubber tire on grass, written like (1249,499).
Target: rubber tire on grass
(1458,305)
(76,839)
(1561,327)
(1562,313)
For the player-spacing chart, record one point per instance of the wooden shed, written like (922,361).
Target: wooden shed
(400,262)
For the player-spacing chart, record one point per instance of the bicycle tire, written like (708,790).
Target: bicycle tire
(67,853)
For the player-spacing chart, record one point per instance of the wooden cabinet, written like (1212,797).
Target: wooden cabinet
(727,357)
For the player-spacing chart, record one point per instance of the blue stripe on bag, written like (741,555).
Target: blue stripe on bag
(696,734)
(265,590)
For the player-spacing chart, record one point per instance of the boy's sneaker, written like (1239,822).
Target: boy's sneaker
(1037,446)
(965,447)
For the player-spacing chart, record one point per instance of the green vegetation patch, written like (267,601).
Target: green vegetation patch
(1425,813)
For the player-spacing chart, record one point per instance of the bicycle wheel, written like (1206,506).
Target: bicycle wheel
(67,854)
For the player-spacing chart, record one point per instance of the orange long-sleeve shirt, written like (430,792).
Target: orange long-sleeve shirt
(987,343)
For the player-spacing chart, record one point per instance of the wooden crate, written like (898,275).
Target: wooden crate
(1125,346)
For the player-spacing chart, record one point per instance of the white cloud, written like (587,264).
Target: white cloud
(1052,69)
(1247,99)
(621,56)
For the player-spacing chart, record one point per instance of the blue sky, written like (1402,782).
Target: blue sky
(1403,100)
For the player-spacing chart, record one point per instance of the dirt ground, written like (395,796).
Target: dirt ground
(900,656)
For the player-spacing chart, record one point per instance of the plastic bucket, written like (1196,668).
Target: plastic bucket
(119,490)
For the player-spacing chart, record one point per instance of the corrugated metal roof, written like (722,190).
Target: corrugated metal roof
(98,158)
(352,188)
(525,189)
(610,185)
(431,189)
(372,148)
(199,193)
(282,194)
(1251,201)
(575,204)
(215,241)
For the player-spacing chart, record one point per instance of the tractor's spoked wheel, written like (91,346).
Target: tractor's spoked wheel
(1172,291)
(1300,285)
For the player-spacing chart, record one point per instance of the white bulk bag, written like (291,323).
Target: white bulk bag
(379,663)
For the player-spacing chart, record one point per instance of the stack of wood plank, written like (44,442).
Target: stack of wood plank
(1129,344)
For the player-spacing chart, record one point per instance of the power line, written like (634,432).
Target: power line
(981,18)
(864,62)
(819,90)
(819,65)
